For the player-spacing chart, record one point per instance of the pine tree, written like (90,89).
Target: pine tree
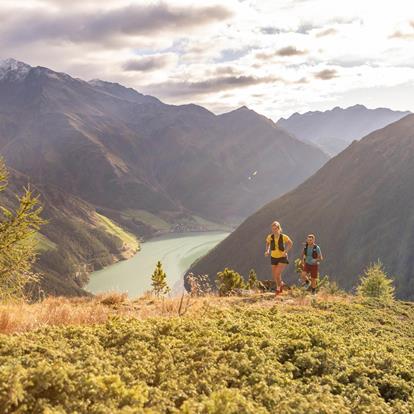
(18,228)
(159,281)
(252,281)
(376,285)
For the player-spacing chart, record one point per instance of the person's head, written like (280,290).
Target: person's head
(310,239)
(276,227)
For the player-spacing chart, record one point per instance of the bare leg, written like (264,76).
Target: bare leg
(277,275)
(304,276)
(314,283)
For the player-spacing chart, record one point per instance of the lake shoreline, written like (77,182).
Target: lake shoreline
(176,250)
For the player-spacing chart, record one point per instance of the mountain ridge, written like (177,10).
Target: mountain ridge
(334,129)
(124,153)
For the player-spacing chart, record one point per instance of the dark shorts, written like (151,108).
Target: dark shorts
(275,261)
(312,270)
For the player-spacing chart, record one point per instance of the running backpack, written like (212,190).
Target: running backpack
(280,243)
(314,251)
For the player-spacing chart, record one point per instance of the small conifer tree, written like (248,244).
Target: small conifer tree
(159,281)
(376,285)
(18,228)
(252,282)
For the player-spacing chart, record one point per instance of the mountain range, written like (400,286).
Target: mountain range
(335,129)
(105,157)
(360,205)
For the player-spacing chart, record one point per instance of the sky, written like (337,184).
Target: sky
(274,56)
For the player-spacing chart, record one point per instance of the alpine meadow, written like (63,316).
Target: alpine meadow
(206,208)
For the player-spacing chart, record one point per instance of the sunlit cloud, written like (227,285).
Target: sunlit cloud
(326,74)
(150,63)
(275,57)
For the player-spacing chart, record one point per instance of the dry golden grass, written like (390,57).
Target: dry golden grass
(59,311)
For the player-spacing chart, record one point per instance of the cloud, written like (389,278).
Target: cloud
(269,30)
(326,32)
(283,52)
(149,63)
(219,53)
(225,70)
(326,74)
(106,26)
(301,81)
(212,85)
(290,51)
(401,34)
(305,28)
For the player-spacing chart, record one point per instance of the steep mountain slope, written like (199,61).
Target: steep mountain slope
(121,150)
(136,160)
(335,129)
(251,159)
(74,241)
(360,205)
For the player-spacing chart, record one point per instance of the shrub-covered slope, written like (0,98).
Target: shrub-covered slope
(248,358)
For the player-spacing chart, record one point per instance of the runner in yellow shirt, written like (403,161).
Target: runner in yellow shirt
(277,247)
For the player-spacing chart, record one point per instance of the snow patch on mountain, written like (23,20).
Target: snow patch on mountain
(14,70)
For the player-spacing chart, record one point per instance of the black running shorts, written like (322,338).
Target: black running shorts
(275,261)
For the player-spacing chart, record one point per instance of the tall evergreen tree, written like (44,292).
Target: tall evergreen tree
(18,228)
(159,281)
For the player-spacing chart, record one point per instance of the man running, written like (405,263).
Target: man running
(312,256)
(278,246)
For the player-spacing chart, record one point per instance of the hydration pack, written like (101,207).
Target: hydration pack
(280,243)
(314,251)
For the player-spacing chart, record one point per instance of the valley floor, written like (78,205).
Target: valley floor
(248,354)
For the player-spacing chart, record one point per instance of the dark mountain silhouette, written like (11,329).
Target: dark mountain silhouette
(335,129)
(360,205)
(123,153)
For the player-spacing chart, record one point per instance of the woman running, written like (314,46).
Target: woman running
(278,246)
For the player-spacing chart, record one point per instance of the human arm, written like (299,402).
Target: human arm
(288,245)
(267,251)
(320,257)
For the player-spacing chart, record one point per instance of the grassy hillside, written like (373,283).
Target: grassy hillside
(129,240)
(225,355)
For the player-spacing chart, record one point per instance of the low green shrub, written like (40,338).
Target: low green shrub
(348,358)
(228,281)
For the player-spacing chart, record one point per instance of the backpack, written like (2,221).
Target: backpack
(314,251)
(280,243)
